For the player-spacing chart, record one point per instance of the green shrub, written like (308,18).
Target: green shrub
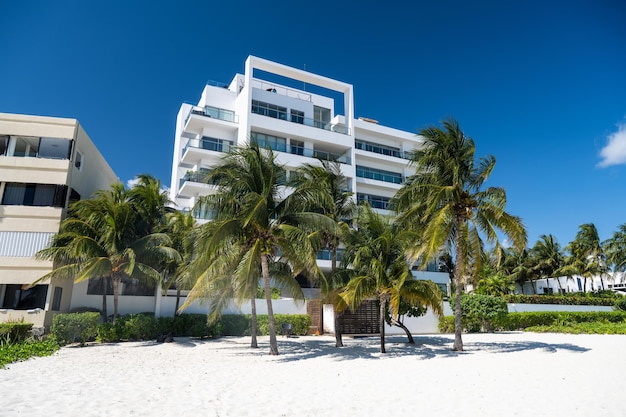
(235,324)
(300,322)
(478,312)
(620,305)
(140,327)
(75,327)
(14,352)
(577,299)
(14,332)
(194,325)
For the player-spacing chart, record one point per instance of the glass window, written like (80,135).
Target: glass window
(4,145)
(78,160)
(273,142)
(297,147)
(55,148)
(378,174)
(26,146)
(24,297)
(43,195)
(270,110)
(297,116)
(56,299)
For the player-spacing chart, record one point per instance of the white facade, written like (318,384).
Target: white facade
(610,281)
(304,117)
(45,163)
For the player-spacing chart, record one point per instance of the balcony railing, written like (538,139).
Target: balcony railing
(209,144)
(381,149)
(213,112)
(194,176)
(375,201)
(379,174)
(309,153)
(295,118)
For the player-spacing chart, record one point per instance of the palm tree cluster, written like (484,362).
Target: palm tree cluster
(117,235)
(266,235)
(586,256)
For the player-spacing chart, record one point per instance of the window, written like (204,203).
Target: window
(54,148)
(297,147)
(378,174)
(78,160)
(24,297)
(381,149)
(129,286)
(41,195)
(26,146)
(270,110)
(375,201)
(321,116)
(297,116)
(56,299)
(4,145)
(273,142)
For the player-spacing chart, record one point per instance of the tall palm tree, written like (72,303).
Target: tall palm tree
(181,228)
(324,189)
(446,203)
(547,258)
(378,267)
(517,266)
(253,228)
(587,257)
(151,202)
(100,239)
(615,249)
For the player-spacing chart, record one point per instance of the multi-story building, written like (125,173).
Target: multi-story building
(45,164)
(303,117)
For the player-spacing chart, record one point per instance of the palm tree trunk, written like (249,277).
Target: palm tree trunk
(558,281)
(116,289)
(333,266)
(253,326)
(270,310)
(383,304)
(177,302)
(458,271)
(401,325)
(105,317)
(338,338)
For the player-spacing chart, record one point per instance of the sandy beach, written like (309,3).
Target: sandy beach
(506,374)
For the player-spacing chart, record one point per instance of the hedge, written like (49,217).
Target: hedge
(14,332)
(75,327)
(522,321)
(567,299)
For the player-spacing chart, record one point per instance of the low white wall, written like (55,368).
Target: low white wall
(280,306)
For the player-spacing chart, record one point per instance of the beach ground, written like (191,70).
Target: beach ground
(500,374)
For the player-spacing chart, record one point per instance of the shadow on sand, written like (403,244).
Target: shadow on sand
(425,347)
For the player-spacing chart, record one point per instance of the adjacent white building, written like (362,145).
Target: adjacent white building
(45,164)
(303,117)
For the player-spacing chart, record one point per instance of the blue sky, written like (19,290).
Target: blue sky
(540,85)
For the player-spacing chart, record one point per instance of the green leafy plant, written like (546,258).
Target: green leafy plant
(14,352)
(14,332)
(75,327)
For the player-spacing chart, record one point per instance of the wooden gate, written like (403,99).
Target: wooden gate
(365,320)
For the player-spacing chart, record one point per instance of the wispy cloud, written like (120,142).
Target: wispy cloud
(132,183)
(614,152)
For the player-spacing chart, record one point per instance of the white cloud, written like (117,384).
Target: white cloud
(614,152)
(132,183)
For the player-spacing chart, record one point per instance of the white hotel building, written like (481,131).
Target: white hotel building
(297,114)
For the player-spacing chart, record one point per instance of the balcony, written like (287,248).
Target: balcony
(379,175)
(382,149)
(280,113)
(194,183)
(277,144)
(327,255)
(209,144)
(209,112)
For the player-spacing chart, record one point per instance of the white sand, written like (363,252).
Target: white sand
(509,374)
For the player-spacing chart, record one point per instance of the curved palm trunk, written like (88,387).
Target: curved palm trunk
(270,310)
(458,271)
(176,313)
(401,325)
(253,325)
(383,305)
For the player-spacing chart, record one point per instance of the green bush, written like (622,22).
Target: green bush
(145,326)
(194,325)
(300,322)
(14,332)
(75,327)
(140,327)
(13,352)
(235,324)
(575,299)
(620,305)
(478,312)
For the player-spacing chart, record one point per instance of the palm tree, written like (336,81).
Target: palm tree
(254,227)
(378,267)
(100,240)
(151,202)
(615,249)
(324,189)
(587,257)
(446,204)
(547,258)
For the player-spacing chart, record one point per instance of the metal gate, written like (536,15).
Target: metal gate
(365,320)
